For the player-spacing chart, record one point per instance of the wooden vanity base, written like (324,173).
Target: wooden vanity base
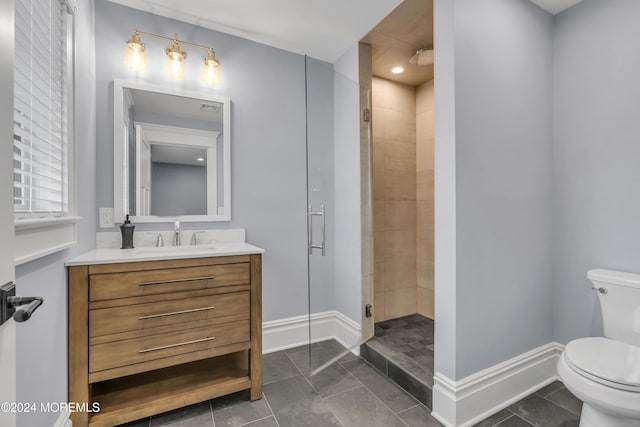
(149,347)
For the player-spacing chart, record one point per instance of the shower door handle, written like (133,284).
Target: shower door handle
(311,213)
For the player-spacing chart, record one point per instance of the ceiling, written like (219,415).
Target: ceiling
(321,29)
(555,6)
(397,37)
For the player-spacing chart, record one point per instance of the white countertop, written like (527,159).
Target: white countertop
(151,253)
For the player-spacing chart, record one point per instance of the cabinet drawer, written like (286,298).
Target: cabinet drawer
(155,314)
(139,283)
(128,352)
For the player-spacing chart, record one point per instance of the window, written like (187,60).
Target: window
(42,141)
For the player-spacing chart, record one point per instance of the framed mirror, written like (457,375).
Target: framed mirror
(172,154)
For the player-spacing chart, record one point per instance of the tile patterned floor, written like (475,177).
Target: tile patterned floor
(350,393)
(551,406)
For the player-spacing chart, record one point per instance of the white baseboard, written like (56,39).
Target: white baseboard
(294,331)
(63,420)
(476,397)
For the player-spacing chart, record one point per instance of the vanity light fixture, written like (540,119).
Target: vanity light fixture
(397,70)
(200,159)
(135,57)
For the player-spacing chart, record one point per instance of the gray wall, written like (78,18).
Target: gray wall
(321,180)
(266,87)
(178,189)
(502,66)
(596,155)
(347,232)
(445,188)
(42,341)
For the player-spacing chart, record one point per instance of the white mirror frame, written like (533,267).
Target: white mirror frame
(120,161)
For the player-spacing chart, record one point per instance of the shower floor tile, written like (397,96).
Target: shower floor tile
(403,350)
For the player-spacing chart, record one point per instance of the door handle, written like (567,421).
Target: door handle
(9,302)
(311,213)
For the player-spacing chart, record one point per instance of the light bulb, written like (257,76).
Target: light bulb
(210,70)
(175,59)
(135,57)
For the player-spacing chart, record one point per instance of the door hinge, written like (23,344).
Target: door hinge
(366,115)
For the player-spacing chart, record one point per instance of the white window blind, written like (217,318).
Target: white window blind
(40,109)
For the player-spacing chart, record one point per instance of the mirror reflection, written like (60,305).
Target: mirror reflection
(174,162)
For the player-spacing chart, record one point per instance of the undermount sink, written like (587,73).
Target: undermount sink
(174,249)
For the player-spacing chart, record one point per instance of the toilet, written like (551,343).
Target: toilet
(604,372)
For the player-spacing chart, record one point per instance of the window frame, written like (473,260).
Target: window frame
(41,234)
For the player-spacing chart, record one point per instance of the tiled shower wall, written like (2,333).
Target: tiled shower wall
(402,199)
(394,195)
(424,196)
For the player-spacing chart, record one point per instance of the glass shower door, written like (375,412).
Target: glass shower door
(339,222)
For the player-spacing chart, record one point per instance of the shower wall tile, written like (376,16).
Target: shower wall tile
(400,126)
(393,96)
(424,220)
(424,265)
(378,304)
(399,244)
(425,302)
(378,184)
(399,185)
(400,215)
(379,240)
(379,215)
(399,155)
(394,191)
(425,184)
(424,196)
(400,273)
(401,302)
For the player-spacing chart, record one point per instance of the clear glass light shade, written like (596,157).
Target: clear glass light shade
(175,60)
(210,69)
(135,57)
(175,66)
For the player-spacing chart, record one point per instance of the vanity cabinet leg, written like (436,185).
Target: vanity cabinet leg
(78,300)
(255,354)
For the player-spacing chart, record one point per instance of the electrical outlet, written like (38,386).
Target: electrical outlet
(106,217)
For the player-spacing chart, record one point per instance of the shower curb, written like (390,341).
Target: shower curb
(416,387)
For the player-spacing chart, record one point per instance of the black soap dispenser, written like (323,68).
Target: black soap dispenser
(127,234)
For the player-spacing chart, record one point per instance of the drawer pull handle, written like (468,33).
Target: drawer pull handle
(173,313)
(146,350)
(164,282)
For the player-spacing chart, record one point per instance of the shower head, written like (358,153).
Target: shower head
(422,57)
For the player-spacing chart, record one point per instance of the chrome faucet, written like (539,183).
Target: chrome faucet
(176,233)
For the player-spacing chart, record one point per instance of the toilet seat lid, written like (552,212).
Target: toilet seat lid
(610,360)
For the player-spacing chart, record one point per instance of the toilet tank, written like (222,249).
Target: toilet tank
(620,304)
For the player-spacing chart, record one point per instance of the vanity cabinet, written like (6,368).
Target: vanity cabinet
(151,336)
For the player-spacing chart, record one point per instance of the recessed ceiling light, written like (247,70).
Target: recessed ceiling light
(397,70)
(200,159)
